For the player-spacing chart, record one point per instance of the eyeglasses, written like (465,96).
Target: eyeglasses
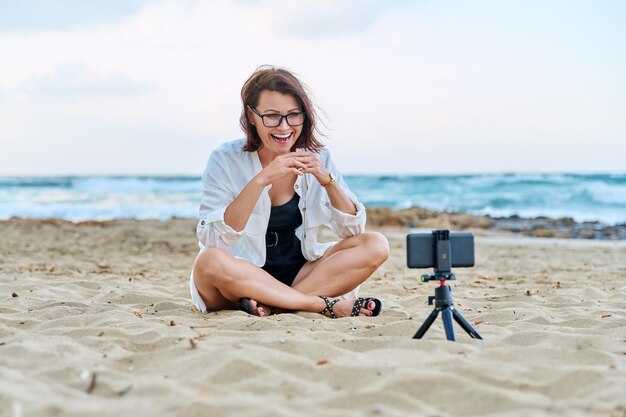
(274,120)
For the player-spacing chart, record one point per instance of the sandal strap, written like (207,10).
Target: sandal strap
(329,306)
(356,309)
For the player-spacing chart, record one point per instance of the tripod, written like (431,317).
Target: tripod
(443,294)
(444,303)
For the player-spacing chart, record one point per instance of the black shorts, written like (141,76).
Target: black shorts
(284,259)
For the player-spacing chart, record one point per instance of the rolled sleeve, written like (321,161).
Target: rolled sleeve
(345,224)
(217,194)
(212,231)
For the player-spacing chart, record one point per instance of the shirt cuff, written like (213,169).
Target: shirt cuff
(349,220)
(213,227)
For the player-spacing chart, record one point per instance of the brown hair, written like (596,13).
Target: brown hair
(277,79)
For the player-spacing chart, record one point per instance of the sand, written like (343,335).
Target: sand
(95,319)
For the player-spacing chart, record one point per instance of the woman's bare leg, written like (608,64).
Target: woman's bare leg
(222,279)
(344,266)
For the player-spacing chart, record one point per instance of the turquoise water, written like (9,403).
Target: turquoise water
(584,197)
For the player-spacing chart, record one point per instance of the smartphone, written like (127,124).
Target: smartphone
(420,249)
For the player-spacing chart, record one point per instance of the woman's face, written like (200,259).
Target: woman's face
(280,139)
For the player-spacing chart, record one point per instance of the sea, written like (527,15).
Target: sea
(583,197)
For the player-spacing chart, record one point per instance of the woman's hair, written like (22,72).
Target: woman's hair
(280,80)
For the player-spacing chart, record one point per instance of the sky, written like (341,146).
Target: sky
(141,87)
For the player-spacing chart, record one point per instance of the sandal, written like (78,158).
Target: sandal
(356,309)
(329,306)
(247,307)
(359,303)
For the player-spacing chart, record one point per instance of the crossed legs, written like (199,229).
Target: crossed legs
(222,279)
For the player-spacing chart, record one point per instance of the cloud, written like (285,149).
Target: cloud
(321,18)
(415,76)
(37,15)
(73,81)
(97,145)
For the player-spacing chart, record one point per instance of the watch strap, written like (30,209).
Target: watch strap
(331,181)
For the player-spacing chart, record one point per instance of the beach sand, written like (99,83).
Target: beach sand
(95,319)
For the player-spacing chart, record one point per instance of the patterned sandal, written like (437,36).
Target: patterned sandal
(356,309)
(359,303)
(329,306)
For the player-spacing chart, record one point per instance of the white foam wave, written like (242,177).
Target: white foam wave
(607,217)
(607,193)
(141,184)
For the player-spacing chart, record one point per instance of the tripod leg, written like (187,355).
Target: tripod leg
(429,320)
(465,324)
(446,315)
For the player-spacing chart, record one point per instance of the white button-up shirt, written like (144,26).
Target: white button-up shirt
(229,170)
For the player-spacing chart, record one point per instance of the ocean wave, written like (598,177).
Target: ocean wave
(584,197)
(80,213)
(603,193)
(607,217)
(142,184)
(35,182)
(519,180)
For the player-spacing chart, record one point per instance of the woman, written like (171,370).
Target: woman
(264,199)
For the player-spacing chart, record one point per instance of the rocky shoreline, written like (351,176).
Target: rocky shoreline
(417,217)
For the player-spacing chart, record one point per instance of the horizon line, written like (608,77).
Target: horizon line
(345,174)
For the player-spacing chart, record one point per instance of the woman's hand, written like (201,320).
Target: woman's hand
(290,163)
(338,197)
(315,168)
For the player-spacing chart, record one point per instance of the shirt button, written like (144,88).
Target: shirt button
(304,209)
(202,222)
(296,186)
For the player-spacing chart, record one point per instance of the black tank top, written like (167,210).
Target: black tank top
(284,254)
(285,217)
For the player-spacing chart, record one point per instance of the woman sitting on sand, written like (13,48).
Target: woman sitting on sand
(264,200)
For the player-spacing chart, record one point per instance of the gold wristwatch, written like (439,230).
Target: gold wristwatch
(331,181)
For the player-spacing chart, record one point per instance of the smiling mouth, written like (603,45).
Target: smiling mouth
(282,138)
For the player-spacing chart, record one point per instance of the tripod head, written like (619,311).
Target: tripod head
(443,258)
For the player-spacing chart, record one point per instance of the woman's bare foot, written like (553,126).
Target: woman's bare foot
(344,308)
(259,309)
